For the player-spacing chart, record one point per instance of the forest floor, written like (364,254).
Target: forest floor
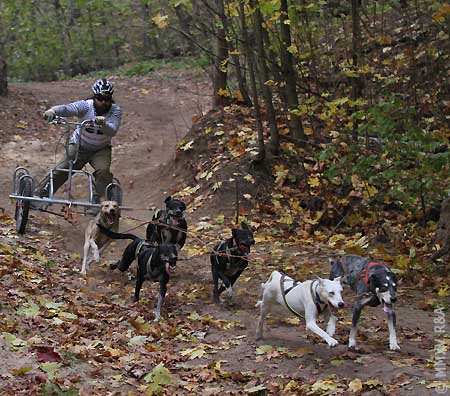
(113,344)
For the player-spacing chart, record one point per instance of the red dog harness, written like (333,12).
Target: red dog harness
(364,274)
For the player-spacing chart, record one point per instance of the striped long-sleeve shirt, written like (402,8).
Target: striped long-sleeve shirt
(90,139)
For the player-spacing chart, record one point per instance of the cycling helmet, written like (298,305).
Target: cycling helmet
(103,87)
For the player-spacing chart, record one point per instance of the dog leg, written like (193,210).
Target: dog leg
(95,251)
(102,249)
(263,311)
(354,330)
(310,316)
(161,296)
(139,282)
(226,285)
(85,257)
(158,308)
(331,319)
(232,280)
(127,258)
(215,275)
(393,346)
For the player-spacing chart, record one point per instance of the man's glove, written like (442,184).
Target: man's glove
(100,120)
(49,115)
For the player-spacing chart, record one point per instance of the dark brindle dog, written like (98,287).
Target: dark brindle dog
(169,225)
(229,259)
(155,263)
(374,284)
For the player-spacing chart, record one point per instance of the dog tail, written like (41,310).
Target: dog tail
(116,235)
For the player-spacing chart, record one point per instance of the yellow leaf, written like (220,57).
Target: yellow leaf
(355,385)
(370,191)
(185,145)
(402,262)
(372,383)
(314,181)
(161,20)
(444,291)
(323,386)
(308,131)
(222,92)
(286,219)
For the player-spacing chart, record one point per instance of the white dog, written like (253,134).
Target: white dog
(311,297)
(108,217)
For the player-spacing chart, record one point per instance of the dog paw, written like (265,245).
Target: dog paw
(353,347)
(216,299)
(393,346)
(332,342)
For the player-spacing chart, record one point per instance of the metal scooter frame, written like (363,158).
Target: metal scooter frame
(22,180)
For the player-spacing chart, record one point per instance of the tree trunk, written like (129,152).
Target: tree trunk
(237,64)
(184,19)
(288,74)
(3,77)
(248,52)
(63,30)
(92,34)
(356,42)
(443,231)
(220,60)
(146,28)
(274,142)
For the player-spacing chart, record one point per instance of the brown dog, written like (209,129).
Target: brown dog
(108,217)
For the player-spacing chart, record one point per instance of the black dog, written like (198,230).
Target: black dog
(374,284)
(229,259)
(169,225)
(155,262)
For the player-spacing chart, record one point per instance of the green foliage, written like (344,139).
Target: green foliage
(156,378)
(398,156)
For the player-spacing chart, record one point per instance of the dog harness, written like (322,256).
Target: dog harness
(149,264)
(284,292)
(139,247)
(364,274)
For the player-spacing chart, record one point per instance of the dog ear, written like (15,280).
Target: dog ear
(244,226)
(318,278)
(169,198)
(338,279)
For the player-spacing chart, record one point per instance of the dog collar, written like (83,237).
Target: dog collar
(364,274)
(316,298)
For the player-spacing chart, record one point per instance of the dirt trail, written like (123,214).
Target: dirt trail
(157,113)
